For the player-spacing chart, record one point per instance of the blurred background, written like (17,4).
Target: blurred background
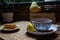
(21,11)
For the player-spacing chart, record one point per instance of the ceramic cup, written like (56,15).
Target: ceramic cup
(42,23)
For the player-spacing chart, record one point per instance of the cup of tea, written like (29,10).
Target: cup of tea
(42,23)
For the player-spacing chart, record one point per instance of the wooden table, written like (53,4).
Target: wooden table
(21,34)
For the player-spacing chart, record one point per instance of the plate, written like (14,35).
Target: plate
(2,28)
(53,28)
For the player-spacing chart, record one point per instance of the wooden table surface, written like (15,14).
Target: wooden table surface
(21,34)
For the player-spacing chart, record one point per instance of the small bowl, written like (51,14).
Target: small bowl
(42,23)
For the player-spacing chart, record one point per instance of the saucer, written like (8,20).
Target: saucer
(53,28)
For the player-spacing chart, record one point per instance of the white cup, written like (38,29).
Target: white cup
(42,23)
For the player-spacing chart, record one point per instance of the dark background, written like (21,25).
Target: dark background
(21,12)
